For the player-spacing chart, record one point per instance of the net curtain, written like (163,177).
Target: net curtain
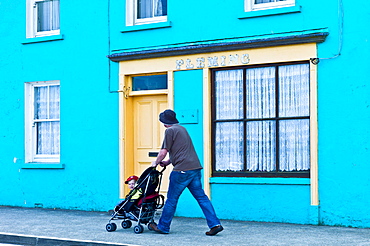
(260,104)
(229,141)
(294,101)
(47,120)
(260,136)
(48,15)
(151,8)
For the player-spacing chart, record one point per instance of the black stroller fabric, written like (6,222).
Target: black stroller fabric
(141,210)
(147,185)
(151,185)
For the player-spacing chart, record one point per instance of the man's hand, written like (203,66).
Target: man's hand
(154,164)
(165,163)
(161,155)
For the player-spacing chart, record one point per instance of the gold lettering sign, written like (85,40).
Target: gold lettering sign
(212,61)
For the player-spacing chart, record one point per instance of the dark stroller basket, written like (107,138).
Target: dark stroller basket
(141,210)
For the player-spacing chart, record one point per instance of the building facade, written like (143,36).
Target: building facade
(58,133)
(273,93)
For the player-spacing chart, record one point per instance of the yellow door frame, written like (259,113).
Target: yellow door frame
(126,150)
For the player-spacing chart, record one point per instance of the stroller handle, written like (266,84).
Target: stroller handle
(164,168)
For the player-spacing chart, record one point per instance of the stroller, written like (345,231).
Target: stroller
(140,210)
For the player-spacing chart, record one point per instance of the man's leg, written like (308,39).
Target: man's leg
(195,187)
(178,182)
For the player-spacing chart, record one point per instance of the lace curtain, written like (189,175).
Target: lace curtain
(151,8)
(262,130)
(48,15)
(229,135)
(47,120)
(260,103)
(294,101)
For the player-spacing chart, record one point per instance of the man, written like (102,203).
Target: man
(186,174)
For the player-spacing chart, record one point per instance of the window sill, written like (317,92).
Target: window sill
(42,166)
(260,181)
(268,12)
(146,26)
(43,39)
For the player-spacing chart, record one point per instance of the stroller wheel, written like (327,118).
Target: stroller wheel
(138,229)
(111,227)
(126,224)
(151,223)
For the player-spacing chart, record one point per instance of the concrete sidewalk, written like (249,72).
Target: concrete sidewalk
(35,226)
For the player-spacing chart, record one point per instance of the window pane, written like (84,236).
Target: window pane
(272,120)
(163,10)
(229,94)
(294,145)
(47,102)
(43,16)
(47,107)
(48,138)
(41,102)
(151,8)
(144,9)
(54,102)
(261,147)
(55,16)
(47,15)
(229,143)
(267,1)
(294,91)
(153,82)
(260,93)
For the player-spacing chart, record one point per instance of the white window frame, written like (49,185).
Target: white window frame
(30,125)
(251,6)
(131,15)
(31,21)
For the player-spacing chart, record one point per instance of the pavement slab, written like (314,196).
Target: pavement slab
(71,227)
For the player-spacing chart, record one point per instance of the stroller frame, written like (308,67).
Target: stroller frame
(146,209)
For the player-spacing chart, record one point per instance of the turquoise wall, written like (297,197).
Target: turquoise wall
(218,20)
(262,202)
(89,112)
(89,119)
(189,101)
(344,114)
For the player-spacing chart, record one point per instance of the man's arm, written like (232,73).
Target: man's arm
(161,155)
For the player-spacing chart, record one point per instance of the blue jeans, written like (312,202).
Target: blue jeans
(178,182)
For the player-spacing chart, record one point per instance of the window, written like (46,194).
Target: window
(251,5)
(261,121)
(151,82)
(42,18)
(42,121)
(146,11)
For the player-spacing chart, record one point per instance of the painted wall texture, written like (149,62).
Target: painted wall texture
(89,125)
(89,176)
(342,105)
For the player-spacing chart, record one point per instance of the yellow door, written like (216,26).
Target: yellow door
(148,133)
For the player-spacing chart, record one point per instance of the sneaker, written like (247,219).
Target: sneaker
(214,230)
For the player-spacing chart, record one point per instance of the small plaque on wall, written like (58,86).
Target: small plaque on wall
(187,116)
